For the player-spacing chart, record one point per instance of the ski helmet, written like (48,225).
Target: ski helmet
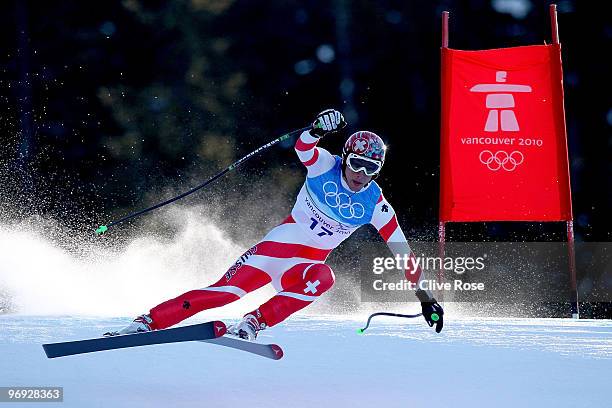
(367,145)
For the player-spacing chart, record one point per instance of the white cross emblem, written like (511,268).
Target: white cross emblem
(312,287)
(360,145)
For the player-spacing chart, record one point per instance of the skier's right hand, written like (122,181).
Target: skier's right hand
(432,311)
(327,122)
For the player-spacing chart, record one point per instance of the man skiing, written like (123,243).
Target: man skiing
(338,196)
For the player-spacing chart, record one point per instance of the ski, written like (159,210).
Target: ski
(202,331)
(272,351)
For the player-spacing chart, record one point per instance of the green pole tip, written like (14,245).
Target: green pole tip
(435,317)
(101,229)
(359,331)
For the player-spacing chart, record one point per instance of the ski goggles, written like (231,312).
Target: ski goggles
(358,163)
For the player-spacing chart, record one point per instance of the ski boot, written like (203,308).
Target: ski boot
(247,328)
(141,324)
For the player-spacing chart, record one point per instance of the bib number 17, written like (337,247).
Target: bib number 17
(324,231)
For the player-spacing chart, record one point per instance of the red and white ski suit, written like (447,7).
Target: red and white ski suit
(292,255)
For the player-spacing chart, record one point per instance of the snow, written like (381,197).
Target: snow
(396,363)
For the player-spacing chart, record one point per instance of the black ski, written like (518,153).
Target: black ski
(272,351)
(203,331)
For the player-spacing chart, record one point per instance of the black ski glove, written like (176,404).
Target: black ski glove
(327,122)
(432,311)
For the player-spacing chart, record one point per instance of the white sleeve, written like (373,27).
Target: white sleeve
(384,220)
(316,159)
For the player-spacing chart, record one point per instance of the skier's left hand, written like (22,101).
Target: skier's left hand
(432,311)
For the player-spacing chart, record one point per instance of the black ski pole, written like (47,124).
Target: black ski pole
(360,331)
(103,228)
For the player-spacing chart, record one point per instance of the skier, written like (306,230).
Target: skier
(338,196)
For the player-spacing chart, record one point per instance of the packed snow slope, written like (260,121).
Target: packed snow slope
(396,363)
(57,286)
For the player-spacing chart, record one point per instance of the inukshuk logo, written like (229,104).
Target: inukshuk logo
(500,104)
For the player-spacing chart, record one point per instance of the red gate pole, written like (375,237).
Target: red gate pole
(445,15)
(553,23)
(571,247)
(571,253)
(442,224)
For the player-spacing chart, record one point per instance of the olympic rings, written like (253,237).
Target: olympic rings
(501,160)
(342,201)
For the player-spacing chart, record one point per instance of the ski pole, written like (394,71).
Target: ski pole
(360,331)
(103,228)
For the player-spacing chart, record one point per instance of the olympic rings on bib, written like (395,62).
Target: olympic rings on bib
(342,201)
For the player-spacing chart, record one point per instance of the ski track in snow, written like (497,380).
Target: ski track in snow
(396,363)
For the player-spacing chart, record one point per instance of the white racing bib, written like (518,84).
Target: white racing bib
(330,212)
